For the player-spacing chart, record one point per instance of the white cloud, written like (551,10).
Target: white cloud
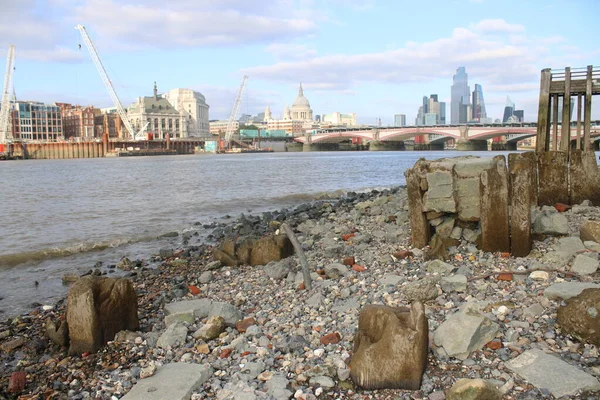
(287,51)
(497,26)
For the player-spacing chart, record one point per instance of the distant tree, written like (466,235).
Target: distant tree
(251,126)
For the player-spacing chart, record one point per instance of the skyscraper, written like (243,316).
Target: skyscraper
(442,113)
(509,109)
(479,113)
(459,97)
(400,120)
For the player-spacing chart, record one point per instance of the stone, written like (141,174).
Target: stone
(522,171)
(495,232)
(183,317)
(551,223)
(174,335)
(440,193)
(473,389)
(174,381)
(445,229)
(335,270)
(228,312)
(419,226)
(422,290)
(465,331)
(236,391)
(580,318)
(205,277)
(315,300)
(454,283)
(550,373)
(557,259)
(98,308)
(439,247)
(590,231)
(211,330)
(251,370)
(471,235)
(439,267)
(553,177)
(322,381)
(390,347)
(243,325)
(125,264)
(468,191)
(566,290)
(584,265)
(191,309)
(251,251)
(539,276)
(570,244)
(591,245)
(278,270)
(57,334)
(390,280)
(330,338)
(277,387)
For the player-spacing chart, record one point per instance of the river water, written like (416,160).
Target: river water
(64,216)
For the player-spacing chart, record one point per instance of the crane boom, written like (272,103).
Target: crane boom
(105,79)
(5,105)
(234,112)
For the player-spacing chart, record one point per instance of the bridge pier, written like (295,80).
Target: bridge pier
(376,145)
(508,146)
(320,147)
(294,147)
(471,145)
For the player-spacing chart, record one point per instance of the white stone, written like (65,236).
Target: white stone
(539,276)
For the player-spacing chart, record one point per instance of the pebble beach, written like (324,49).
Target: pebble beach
(297,343)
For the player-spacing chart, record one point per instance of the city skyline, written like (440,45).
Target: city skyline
(376,72)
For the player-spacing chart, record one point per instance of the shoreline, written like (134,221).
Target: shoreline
(284,314)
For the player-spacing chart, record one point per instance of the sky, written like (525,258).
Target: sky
(375,58)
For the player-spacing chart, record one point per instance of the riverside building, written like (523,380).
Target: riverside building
(32,120)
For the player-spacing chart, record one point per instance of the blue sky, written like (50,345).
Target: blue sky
(372,57)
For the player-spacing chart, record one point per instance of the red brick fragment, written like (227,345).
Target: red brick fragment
(358,268)
(243,325)
(402,254)
(225,353)
(505,255)
(560,207)
(301,286)
(348,261)
(330,338)
(505,276)
(16,383)
(194,290)
(347,236)
(494,344)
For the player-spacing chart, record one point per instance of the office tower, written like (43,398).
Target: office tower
(442,113)
(425,105)
(479,113)
(459,97)
(509,109)
(400,120)
(519,115)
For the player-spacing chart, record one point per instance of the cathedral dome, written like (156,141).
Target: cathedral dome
(301,107)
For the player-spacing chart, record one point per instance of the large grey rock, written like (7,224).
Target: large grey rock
(551,223)
(590,231)
(566,290)
(557,259)
(390,280)
(229,312)
(571,245)
(548,372)
(315,300)
(468,192)
(98,308)
(278,270)
(454,283)
(342,306)
(440,193)
(174,335)
(277,387)
(335,270)
(465,331)
(322,381)
(251,370)
(390,347)
(591,245)
(439,267)
(584,265)
(236,391)
(423,290)
(175,381)
(197,308)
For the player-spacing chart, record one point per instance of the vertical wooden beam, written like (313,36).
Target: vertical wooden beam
(543,125)
(555,120)
(588,110)
(565,129)
(579,100)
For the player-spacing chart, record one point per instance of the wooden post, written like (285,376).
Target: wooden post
(543,127)
(565,129)
(305,271)
(555,120)
(579,100)
(588,109)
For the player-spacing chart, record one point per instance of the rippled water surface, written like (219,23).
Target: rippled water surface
(63,216)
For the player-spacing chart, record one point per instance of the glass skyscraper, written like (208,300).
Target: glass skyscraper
(479,113)
(509,109)
(460,94)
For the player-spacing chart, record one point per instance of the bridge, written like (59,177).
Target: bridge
(467,137)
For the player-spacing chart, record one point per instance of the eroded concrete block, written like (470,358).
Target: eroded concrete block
(494,208)
(440,193)
(521,169)
(419,226)
(553,170)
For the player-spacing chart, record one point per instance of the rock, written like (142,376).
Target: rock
(571,245)
(230,313)
(454,283)
(174,335)
(439,267)
(278,270)
(211,330)
(465,331)
(471,235)
(243,325)
(213,265)
(335,270)
(250,251)
(566,290)
(205,277)
(584,265)
(277,387)
(98,308)
(473,389)
(548,372)
(557,259)
(440,194)
(148,370)
(57,334)
(175,381)
(322,381)
(165,253)
(551,223)
(330,338)
(593,246)
(423,290)
(390,347)
(188,310)
(236,391)
(390,280)
(539,276)
(315,300)
(125,264)
(590,231)
(580,317)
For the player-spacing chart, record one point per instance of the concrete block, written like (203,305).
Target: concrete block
(553,170)
(585,178)
(440,193)
(521,170)
(420,229)
(175,381)
(494,208)
(546,371)
(468,193)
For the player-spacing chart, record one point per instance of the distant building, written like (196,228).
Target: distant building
(459,98)
(430,108)
(509,109)
(400,120)
(192,107)
(339,119)
(519,115)
(109,122)
(78,121)
(162,116)
(220,127)
(442,113)
(478,109)
(301,110)
(293,127)
(431,119)
(32,120)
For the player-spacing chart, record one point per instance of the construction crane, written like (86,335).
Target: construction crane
(5,106)
(107,83)
(234,113)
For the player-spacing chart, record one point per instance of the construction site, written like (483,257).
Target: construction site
(133,140)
